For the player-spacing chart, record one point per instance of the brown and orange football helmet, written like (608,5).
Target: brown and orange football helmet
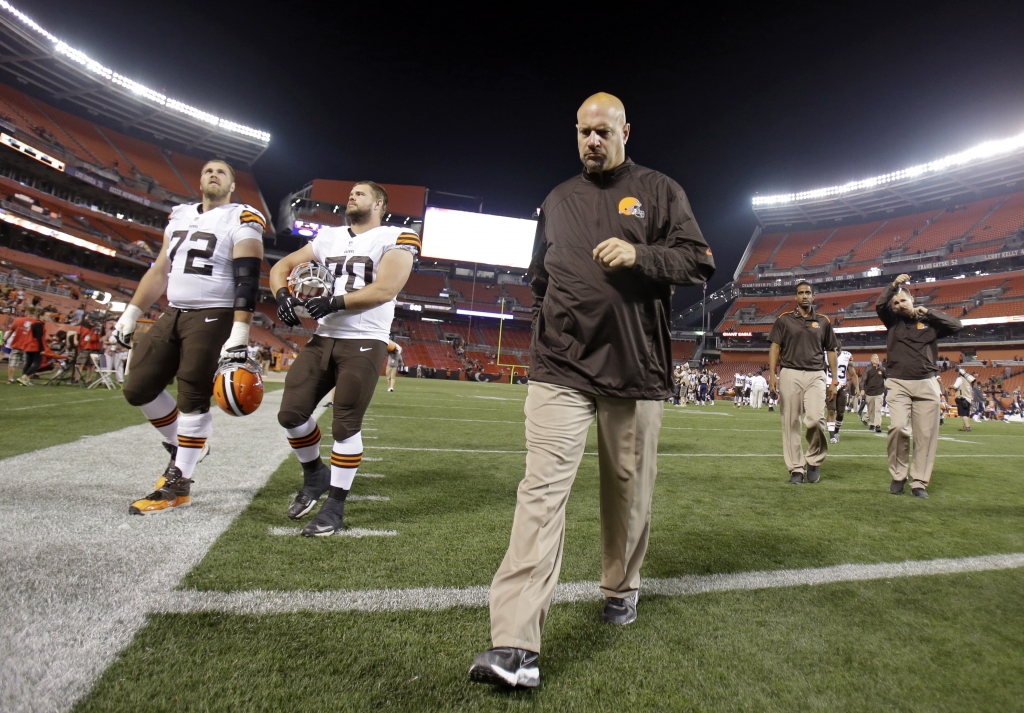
(238,387)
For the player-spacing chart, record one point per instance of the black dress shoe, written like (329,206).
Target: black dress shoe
(813,473)
(919,492)
(896,487)
(796,478)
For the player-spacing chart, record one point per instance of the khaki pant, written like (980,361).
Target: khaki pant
(557,420)
(874,410)
(756,397)
(802,394)
(914,406)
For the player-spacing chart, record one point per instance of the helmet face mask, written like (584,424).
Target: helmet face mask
(311,279)
(238,387)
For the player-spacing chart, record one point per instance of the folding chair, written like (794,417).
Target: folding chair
(102,375)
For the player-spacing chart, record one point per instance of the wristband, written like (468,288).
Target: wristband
(239,335)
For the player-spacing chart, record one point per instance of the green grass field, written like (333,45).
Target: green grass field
(722,504)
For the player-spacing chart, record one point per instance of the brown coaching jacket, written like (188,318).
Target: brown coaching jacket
(606,332)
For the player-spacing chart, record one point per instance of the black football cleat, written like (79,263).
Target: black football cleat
(329,520)
(315,484)
(506,666)
(813,473)
(796,478)
(620,610)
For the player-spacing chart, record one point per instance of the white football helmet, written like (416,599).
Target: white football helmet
(311,279)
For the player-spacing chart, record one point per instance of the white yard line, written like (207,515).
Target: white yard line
(690,455)
(76,583)
(428,598)
(63,403)
(355,532)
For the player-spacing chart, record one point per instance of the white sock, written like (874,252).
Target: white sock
(345,459)
(305,441)
(831,427)
(194,429)
(162,412)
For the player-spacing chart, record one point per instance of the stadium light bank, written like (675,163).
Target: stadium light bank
(62,48)
(981,151)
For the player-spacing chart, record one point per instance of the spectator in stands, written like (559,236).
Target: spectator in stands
(914,395)
(77,315)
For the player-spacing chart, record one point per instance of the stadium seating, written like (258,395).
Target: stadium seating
(1004,221)
(797,246)
(520,293)
(511,338)
(951,223)
(763,248)
(895,233)
(482,293)
(842,241)
(997,309)
(425,284)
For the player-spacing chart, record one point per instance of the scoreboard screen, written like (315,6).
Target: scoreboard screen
(478,237)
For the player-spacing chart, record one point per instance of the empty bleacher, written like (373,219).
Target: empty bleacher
(762,250)
(1003,222)
(520,293)
(425,284)
(894,234)
(798,246)
(951,223)
(842,242)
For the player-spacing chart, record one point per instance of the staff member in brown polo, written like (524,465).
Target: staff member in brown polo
(872,383)
(914,393)
(610,244)
(800,339)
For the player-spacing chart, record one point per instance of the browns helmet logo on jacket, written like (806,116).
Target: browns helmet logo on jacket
(631,206)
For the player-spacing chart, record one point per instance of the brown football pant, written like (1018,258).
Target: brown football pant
(913,410)
(182,343)
(557,421)
(802,394)
(874,410)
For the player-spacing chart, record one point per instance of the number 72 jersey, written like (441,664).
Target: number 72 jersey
(354,260)
(200,248)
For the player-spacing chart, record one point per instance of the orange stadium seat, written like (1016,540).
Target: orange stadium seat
(766,243)
(842,242)
(149,161)
(425,284)
(798,246)
(520,293)
(998,309)
(951,223)
(895,233)
(479,293)
(1004,221)
(86,134)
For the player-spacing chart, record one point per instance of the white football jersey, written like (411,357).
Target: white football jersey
(199,248)
(354,260)
(842,366)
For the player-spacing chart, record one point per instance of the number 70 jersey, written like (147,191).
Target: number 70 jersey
(200,248)
(354,259)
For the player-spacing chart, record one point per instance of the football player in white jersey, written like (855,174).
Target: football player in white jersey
(370,264)
(209,268)
(739,382)
(837,406)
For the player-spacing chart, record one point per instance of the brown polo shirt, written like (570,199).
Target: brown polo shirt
(872,381)
(803,341)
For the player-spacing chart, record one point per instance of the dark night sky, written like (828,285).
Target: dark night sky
(481,99)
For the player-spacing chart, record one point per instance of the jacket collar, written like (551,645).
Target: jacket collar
(607,178)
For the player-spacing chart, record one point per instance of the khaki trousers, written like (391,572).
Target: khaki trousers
(756,397)
(874,410)
(557,421)
(914,406)
(802,394)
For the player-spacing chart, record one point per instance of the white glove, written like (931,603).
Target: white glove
(125,326)
(235,348)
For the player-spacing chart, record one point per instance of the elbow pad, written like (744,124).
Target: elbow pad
(247,282)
